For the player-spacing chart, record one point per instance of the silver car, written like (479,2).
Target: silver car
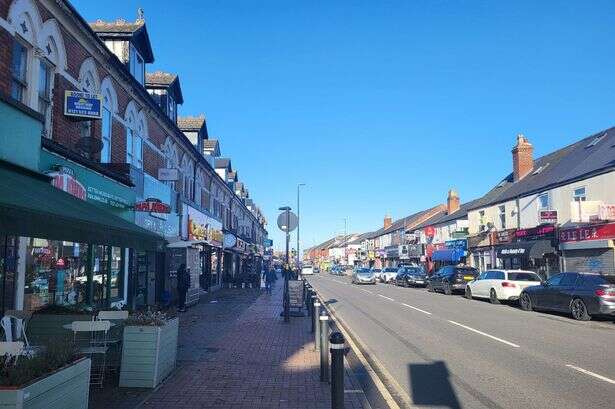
(363,276)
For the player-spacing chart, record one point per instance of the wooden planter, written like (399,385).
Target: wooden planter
(148,354)
(68,387)
(45,328)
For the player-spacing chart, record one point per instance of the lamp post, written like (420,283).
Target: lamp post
(299,222)
(346,241)
(286,210)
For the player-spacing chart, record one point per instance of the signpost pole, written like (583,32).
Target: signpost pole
(286,277)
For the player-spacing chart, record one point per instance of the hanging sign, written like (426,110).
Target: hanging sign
(82,104)
(548,216)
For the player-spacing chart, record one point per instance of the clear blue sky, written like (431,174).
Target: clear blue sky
(380,107)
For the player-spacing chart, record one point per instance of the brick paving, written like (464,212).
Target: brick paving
(253,360)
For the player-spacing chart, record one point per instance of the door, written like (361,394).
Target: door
(478,285)
(562,295)
(545,295)
(487,283)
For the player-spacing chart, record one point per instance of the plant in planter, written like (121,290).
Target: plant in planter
(53,379)
(149,349)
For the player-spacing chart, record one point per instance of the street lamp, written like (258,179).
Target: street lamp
(299,221)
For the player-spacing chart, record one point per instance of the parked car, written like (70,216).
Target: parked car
(411,277)
(582,295)
(377,272)
(388,274)
(337,270)
(501,285)
(363,276)
(307,270)
(450,279)
(316,270)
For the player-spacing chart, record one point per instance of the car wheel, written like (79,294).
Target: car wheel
(447,289)
(493,297)
(525,302)
(468,293)
(578,309)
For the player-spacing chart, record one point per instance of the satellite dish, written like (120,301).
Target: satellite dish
(89,145)
(288,225)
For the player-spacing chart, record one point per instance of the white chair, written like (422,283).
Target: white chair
(112,315)
(95,347)
(116,333)
(12,350)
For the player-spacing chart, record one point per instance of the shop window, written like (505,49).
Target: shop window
(19,68)
(579,194)
(55,273)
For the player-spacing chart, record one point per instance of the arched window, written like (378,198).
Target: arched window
(199,183)
(109,108)
(134,132)
(187,168)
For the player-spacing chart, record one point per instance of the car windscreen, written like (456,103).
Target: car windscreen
(523,277)
(414,271)
(363,271)
(466,271)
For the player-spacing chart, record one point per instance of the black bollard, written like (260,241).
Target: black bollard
(337,370)
(313,300)
(316,325)
(324,347)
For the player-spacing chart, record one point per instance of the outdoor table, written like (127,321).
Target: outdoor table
(70,326)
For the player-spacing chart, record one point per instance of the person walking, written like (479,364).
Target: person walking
(183,283)
(270,278)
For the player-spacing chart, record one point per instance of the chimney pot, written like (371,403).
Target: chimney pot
(387,221)
(452,202)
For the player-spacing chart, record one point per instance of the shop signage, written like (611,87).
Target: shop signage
(479,240)
(82,104)
(152,205)
(241,245)
(518,251)
(414,250)
(168,174)
(64,179)
(548,216)
(460,244)
(203,227)
(411,237)
(607,212)
(504,236)
(597,232)
(165,224)
(268,243)
(229,240)
(535,232)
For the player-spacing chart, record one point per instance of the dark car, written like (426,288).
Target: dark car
(411,277)
(451,279)
(580,294)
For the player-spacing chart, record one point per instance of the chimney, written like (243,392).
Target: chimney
(452,202)
(387,221)
(523,161)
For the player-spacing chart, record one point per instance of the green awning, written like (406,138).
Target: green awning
(30,206)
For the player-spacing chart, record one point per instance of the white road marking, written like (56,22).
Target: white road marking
(595,375)
(365,291)
(417,309)
(485,334)
(385,297)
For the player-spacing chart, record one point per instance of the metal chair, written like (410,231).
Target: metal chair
(96,346)
(12,350)
(116,333)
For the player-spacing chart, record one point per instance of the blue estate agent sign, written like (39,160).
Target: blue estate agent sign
(268,243)
(82,104)
(461,244)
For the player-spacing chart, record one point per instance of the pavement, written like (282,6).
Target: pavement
(434,350)
(235,352)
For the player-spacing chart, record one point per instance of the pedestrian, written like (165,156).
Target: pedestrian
(183,283)
(270,277)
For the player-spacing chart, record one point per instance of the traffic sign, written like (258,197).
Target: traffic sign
(292,222)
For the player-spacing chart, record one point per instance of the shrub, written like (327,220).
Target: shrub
(149,318)
(55,356)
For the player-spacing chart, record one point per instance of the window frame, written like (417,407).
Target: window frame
(22,83)
(105,153)
(539,201)
(502,216)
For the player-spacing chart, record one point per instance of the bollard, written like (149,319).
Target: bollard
(324,347)
(313,300)
(316,325)
(337,370)
(308,303)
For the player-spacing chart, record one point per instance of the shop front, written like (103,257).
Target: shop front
(532,249)
(156,211)
(410,253)
(589,248)
(391,256)
(454,252)
(480,251)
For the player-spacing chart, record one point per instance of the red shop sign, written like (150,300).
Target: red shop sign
(597,232)
(152,206)
(535,231)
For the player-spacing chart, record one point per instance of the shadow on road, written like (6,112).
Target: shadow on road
(331,301)
(430,385)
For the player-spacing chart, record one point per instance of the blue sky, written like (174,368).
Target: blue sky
(380,107)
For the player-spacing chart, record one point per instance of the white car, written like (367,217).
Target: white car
(307,270)
(501,285)
(389,274)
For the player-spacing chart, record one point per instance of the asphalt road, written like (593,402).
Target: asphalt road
(450,352)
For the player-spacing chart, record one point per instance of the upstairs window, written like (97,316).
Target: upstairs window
(171,108)
(19,68)
(543,202)
(481,221)
(44,89)
(502,210)
(579,194)
(137,66)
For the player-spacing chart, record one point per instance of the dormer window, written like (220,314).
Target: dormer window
(137,66)
(171,108)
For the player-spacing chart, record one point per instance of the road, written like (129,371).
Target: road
(450,352)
